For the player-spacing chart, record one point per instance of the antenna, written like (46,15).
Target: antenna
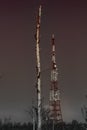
(55,107)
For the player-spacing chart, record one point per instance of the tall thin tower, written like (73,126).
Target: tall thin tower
(38,69)
(55,107)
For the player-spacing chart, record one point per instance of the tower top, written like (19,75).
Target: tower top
(53,45)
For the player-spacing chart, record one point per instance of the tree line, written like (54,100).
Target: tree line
(74,125)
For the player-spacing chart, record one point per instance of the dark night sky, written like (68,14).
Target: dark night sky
(68,21)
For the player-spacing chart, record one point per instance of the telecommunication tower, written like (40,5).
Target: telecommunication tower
(55,107)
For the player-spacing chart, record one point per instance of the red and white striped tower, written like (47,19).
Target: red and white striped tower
(55,107)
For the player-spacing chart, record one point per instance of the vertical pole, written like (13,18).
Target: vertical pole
(38,69)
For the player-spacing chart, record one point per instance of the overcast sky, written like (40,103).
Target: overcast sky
(68,21)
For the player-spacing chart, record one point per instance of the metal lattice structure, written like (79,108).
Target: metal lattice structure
(55,107)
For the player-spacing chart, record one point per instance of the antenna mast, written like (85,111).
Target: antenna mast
(55,107)
(38,69)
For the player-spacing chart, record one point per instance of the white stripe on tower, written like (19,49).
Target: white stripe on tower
(55,107)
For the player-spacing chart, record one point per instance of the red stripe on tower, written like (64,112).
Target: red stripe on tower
(55,107)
